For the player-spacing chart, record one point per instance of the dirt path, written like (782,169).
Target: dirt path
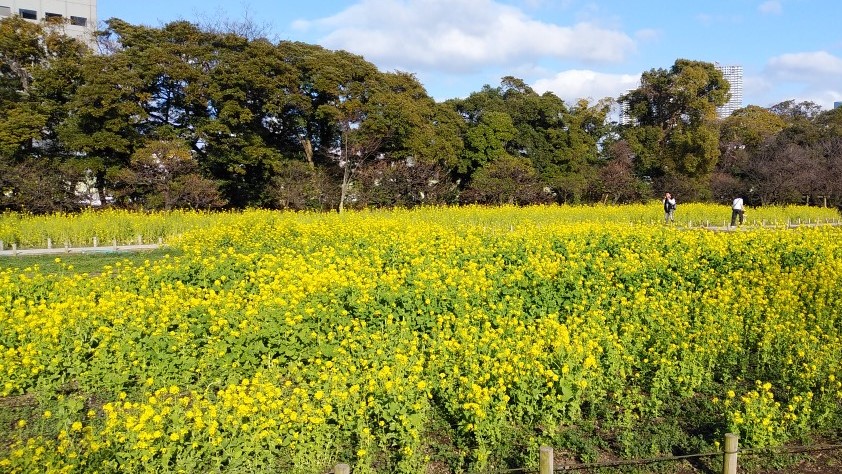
(79,250)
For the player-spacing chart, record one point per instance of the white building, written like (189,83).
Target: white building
(625,117)
(734,76)
(79,15)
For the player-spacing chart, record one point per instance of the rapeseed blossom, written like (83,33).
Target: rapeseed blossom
(281,337)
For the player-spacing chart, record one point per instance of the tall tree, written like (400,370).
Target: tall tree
(579,159)
(242,139)
(827,177)
(39,74)
(675,136)
(741,136)
(559,142)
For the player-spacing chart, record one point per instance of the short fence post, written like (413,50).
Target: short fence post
(67,246)
(114,243)
(14,248)
(545,460)
(729,460)
(49,243)
(139,239)
(342,469)
(160,240)
(96,241)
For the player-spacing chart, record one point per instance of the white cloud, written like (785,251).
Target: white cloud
(577,84)
(772,7)
(647,34)
(810,76)
(461,35)
(811,67)
(757,85)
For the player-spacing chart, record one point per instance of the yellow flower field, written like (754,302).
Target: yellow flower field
(392,340)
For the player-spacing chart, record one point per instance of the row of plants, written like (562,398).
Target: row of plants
(399,341)
(80,229)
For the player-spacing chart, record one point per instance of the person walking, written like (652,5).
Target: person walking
(669,208)
(737,211)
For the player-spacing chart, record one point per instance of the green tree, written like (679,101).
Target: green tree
(39,74)
(675,134)
(106,116)
(506,180)
(741,136)
(749,127)
(561,143)
(578,160)
(827,177)
(487,140)
(242,140)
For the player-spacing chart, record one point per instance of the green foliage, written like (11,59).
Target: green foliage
(675,114)
(249,110)
(399,341)
(488,140)
(750,126)
(506,180)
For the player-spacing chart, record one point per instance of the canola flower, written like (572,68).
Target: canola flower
(295,341)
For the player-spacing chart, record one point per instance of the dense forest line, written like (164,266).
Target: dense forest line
(193,116)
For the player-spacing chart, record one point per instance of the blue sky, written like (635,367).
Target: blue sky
(789,49)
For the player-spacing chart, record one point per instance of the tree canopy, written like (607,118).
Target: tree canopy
(185,115)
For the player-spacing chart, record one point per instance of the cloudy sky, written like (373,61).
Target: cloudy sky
(789,49)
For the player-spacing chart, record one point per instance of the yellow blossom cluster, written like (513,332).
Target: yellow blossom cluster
(277,341)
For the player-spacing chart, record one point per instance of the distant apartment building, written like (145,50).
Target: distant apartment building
(836,105)
(734,76)
(79,15)
(625,115)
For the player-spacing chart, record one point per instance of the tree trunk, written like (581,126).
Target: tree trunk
(346,179)
(308,151)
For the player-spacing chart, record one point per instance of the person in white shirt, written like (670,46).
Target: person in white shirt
(669,208)
(737,210)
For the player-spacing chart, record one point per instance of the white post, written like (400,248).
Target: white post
(729,462)
(545,460)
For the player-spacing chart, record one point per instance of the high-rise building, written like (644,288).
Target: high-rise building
(79,15)
(624,115)
(734,76)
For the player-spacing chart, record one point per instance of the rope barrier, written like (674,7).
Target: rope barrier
(634,462)
(791,449)
(638,462)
